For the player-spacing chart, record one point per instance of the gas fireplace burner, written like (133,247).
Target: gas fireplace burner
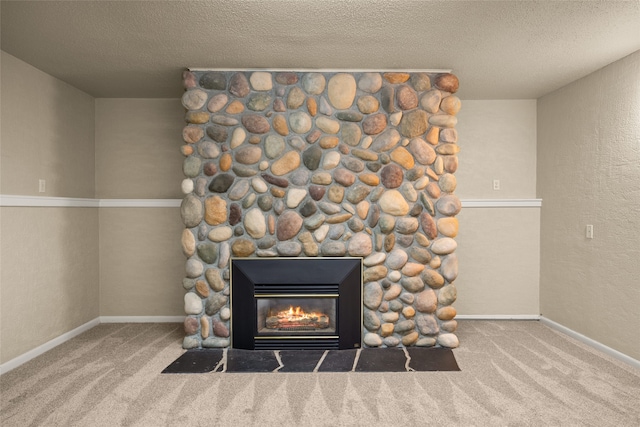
(296,303)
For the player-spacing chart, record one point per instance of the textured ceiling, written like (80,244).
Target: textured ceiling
(498,49)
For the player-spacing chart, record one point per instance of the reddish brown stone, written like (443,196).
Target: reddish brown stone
(239,85)
(287,78)
(280,182)
(392,176)
(344,177)
(288,225)
(278,105)
(255,123)
(374,124)
(450,163)
(406,97)
(313,136)
(447,82)
(188,79)
(210,169)
(428,225)
(192,134)
(316,192)
(235,214)
(219,329)
(191,325)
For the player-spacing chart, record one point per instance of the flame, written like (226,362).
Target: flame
(297,313)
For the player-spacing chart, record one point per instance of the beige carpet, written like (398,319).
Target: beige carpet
(513,373)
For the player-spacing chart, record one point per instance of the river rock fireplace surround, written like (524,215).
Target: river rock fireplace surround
(313,167)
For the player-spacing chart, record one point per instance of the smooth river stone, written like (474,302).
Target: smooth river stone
(213,80)
(372,340)
(368,104)
(407,225)
(341,90)
(420,81)
(351,134)
(451,105)
(372,295)
(192,303)
(191,167)
(428,225)
(194,99)
(321,178)
(254,223)
(430,101)
(328,125)
(288,225)
(311,157)
(248,155)
(239,85)
(448,226)
(449,135)
(447,295)
(413,123)
(392,176)
(289,248)
(386,141)
(191,211)
(235,107)
(243,247)
(375,273)
(447,183)
(188,242)
(370,82)
(370,320)
(192,134)
(427,324)
(261,80)
(443,120)
(374,124)
(295,197)
(449,205)
(397,258)
(287,163)
(333,248)
(196,117)
(220,234)
(449,267)
(387,97)
(286,78)
(313,83)
(406,98)
(280,125)
(412,284)
(393,203)
(331,160)
(422,151)
(432,278)
(402,157)
(344,177)
(300,122)
(360,245)
(448,340)
(208,252)
(255,123)
(374,259)
(295,98)
(396,78)
(446,82)
(448,149)
(193,268)
(426,301)
(259,102)
(353,164)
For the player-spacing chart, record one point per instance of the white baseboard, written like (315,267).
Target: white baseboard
(41,349)
(497,317)
(142,319)
(591,343)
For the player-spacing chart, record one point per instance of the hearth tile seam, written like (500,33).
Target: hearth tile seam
(355,360)
(319,364)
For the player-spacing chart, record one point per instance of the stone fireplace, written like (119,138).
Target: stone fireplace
(314,166)
(296,303)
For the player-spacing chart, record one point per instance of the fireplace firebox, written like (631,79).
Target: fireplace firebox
(296,303)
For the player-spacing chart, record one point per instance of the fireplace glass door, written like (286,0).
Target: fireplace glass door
(296,315)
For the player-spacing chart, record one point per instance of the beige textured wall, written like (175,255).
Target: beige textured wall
(141,262)
(138,148)
(49,274)
(47,133)
(498,248)
(499,254)
(498,140)
(589,173)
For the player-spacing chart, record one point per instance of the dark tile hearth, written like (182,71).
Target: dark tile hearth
(364,360)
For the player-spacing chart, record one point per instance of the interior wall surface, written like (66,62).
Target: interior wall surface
(499,248)
(589,173)
(48,280)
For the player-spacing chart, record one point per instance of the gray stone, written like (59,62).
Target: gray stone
(213,80)
(311,157)
(386,141)
(412,284)
(353,164)
(447,295)
(333,248)
(221,183)
(314,221)
(244,171)
(448,340)
(372,295)
(405,326)
(420,81)
(217,133)
(427,324)
(208,150)
(208,252)
(355,224)
(239,190)
(386,99)
(214,303)
(372,340)
(396,259)
(449,267)
(225,254)
(370,82)
(371,320)
(191,166)
(308,208)
(449,205)
(265,202)
(273,146)
(329,208)
(357,193)
(192,303)
(336,231)
(289,248)
(313,83)
(407,225)
(192,211)
(215,342)
(190,342)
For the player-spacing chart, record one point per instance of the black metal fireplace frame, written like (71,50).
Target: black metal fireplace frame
(252,277)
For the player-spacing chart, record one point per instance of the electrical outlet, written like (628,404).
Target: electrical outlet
(589,231)
(496,184)
(41,185)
